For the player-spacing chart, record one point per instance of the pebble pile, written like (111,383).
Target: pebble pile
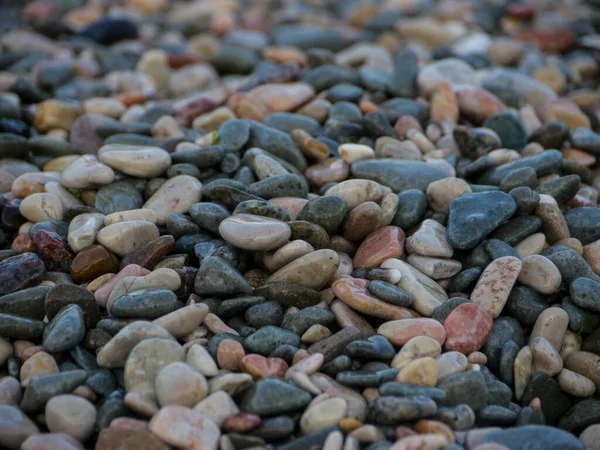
(293,225)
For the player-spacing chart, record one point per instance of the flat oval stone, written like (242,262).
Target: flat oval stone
(473,216)
(313,270)
(254,233)
(289,294)
(146,303)
(177,195)
(467,327)
(118,196)
(356,192)
(430,239)
(386,242)
(93,262)
(124,237)
(426,294)
(399,332)
(159,279)
(27,303)
(354,293)
(492,290)
(539,273)
(144,162)
(86,172)
(41,207)
(399,175)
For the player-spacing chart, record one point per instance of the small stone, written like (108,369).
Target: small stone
(177,195)
(254,233)
(430,239)
(72,415)
(494,285)
(179,384)
(124,237)
(15,427)
(387,242)
(324,414)
(467,328)
(185,428)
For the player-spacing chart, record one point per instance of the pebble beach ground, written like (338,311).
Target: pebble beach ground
(294,225)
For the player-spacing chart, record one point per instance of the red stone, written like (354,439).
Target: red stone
(40,9)
(241,423)
(23,244)
(262,367)
(467,328)
(178,60)
(151,253)
(194,109)
(403,431)
(551,41)
(54,250)
(579,200)
(385,243)
(405,123)
(520,11)
(477,104)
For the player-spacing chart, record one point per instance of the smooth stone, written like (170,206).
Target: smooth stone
(216,277)
(19,272)
(83,230)
(465,388)
(525,305)
(584,363)
(324,414)
(430,239)
(147,303)
(425,293)
(146,359)
(412,205)
(128,439)
(270,397)
(180,384)
(41,207)
(64,294)
(493,288)
(124,237)
(335,345)
(137,161)
(65,330)
(263,314)
(72,415)
(27,303)
(289,294)
(395,410)
(539,273)
(534,437)
(86,172)
(516,230)
(177,195)
(313,270)
(118,196)
(467,328)
(554,402)
(353,292)
(267,339)
(327,211)
(389,293)
(473,216)
(15,427)
(398,175)
(40,390)
(185,428)
(150,254)
(386,242)
(505,328)
(254,233)
(15,327)
(510,130)
(159,279)
(399,332)
(544,164)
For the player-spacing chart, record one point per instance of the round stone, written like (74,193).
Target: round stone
(255,233)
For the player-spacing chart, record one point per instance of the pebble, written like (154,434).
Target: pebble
(72,415)
(123,238)
(375,230)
